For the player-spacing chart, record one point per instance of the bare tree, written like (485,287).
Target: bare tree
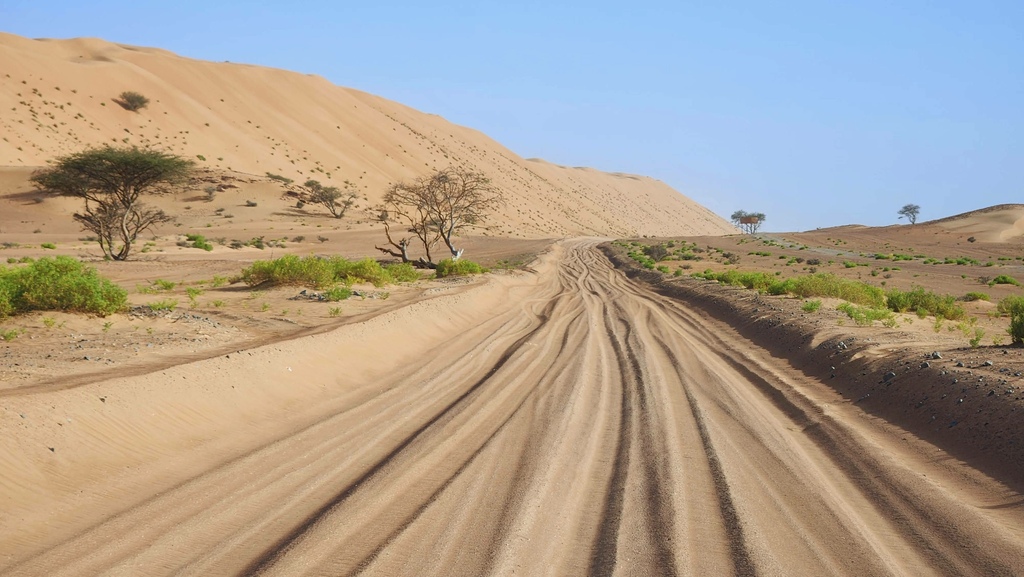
(437,207)
(457,199)
(748,222)
(111,181)
(910,211)
(403,206)
(335,200)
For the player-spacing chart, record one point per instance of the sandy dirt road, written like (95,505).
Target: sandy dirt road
(568,422)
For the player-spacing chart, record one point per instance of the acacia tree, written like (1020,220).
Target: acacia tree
(111,181)
(335,200)
(910,211)
(403,206)
(748,222)
(458,199)
(438,207)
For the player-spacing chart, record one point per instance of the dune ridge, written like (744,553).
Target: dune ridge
(58,96)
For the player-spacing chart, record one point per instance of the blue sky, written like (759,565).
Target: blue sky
(815,113)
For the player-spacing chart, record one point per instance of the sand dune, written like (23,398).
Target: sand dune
(998,223)
(57,96)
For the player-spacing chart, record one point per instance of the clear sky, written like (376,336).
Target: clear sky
(816,113)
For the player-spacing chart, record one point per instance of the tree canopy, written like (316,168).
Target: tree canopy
(111,181)
(910,211)
(748,222)
(334,199)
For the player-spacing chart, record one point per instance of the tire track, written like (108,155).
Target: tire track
(583,426)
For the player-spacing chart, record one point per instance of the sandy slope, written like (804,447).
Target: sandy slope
(57,96)
(563,422)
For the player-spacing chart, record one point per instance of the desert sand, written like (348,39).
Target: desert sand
(568,413)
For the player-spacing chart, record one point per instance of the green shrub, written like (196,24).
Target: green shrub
(1004,279)
(337,293)
(366,270)
(164,305)
(323,272)
(829,285)
(60,283)
(402,272)
(1016,329)
(975,296)
(290,270)
(1014,307)
(1008,305)
(811,306)
(865,315)
(48,245)
(133,101)
(199,241)
(459,267)
(918,299)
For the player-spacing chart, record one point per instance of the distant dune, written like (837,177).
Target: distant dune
(57,96)
(994,224)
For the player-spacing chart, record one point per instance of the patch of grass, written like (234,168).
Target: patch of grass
(60,283)
(279,178)
(9,335)
(338,293)
(199,241)
(164,285)
(918,299)
(863,315)
(334,311)
(163,305)
(218,281)
(811,306)
(48,245)
(193,293)
(459,267)
(829,285)
(975,296)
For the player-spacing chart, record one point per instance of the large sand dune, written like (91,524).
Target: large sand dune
(57,96)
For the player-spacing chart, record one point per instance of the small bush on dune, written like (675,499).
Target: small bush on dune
(133,101)
(459,267)
(975,296)
(60,283)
